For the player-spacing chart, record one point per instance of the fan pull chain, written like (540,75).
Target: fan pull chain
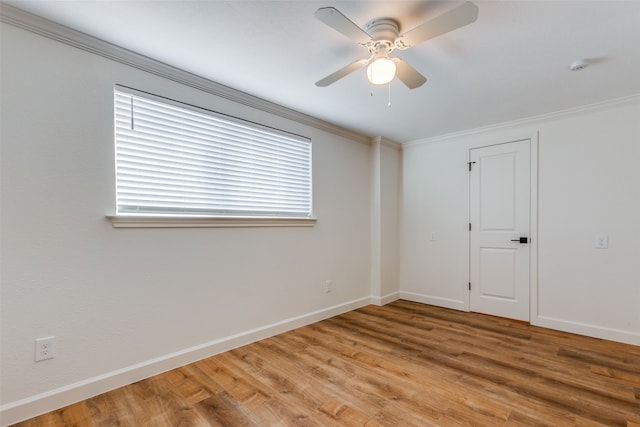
(389,103)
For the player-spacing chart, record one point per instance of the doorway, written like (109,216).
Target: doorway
(500,229)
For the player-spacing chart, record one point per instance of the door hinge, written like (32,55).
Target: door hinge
(469,285)
(470,163)
(469,226)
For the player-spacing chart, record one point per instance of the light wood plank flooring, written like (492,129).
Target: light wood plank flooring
(404,364)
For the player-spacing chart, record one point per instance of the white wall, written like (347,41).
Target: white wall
(119,299)
(385,220)
(390,187)
(433,202)
(588,184)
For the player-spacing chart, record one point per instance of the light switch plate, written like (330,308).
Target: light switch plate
(602,241)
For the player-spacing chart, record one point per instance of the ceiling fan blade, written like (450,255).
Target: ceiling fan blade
(336,20)
(342,72)
(459,17)
(408,75)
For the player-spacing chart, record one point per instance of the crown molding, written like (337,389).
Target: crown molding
(27,21)
(381,140)
(531,121)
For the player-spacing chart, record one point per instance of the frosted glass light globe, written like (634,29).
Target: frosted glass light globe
(381,71)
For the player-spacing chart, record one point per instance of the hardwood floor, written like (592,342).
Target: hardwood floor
(404,364)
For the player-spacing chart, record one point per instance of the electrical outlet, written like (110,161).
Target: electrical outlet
(45,348)
(328,286)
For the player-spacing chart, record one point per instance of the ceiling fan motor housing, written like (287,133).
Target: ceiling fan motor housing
(383,31)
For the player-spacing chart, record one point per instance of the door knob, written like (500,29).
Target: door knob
(521,240)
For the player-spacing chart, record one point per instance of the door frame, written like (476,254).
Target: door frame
(499,139)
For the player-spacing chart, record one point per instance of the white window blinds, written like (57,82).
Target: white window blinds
(177,160)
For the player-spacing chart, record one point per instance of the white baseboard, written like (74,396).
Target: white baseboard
(589,330)
(385,299)
(30,407)
(434,300)
(595,331)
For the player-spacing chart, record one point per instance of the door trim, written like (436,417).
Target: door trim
(488,141)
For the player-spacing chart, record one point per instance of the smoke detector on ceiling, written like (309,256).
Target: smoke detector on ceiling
(580,64)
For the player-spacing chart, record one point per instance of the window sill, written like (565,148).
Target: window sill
(139,221)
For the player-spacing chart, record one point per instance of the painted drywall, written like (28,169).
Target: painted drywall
(385,220)
(117,298)
(434,230)
(391,168)
(587,185)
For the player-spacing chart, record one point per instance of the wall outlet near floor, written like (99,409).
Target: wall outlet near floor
(45,348)
(602,241)
(328,285)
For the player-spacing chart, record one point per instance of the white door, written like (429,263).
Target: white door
(500,197)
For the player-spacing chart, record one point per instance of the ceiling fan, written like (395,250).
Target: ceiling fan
(381,36)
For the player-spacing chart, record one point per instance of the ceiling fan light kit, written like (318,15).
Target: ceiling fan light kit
(381,71)
(381,37)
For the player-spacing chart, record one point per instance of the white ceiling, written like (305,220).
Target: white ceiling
(511,63)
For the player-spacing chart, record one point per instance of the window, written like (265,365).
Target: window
(176,160)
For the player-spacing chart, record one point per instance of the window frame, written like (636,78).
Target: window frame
(189,220)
